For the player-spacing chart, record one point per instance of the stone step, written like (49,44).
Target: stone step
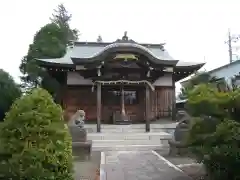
(129,130)
(127,142)
(118,130)
(132,128)
(129,136)
(139,147)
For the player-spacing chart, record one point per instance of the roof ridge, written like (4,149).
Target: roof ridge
(92,43)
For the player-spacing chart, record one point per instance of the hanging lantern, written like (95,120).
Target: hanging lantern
(99,72)
(148,73)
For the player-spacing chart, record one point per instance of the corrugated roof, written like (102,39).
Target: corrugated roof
(215,70)
(224,66)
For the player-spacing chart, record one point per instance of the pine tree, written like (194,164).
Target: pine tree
(62,18)
(49,42)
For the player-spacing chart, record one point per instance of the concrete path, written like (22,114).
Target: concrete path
(138,165)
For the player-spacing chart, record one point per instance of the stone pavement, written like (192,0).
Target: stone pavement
(138,165)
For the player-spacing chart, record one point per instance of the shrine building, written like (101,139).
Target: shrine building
(121,82)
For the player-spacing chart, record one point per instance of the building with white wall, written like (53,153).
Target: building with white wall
(227,72)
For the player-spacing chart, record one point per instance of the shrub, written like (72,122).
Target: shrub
(35,141)
(234,105)
(217,149)
(213,138)
(206,100)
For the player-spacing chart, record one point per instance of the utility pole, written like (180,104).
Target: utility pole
(229,43)
(232,39)
(230,46)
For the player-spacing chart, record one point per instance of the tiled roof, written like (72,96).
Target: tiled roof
(92,51)
(88,50)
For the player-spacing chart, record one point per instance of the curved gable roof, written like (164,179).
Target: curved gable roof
(90,51)
(93,53)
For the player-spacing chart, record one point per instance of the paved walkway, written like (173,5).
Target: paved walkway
(138,165)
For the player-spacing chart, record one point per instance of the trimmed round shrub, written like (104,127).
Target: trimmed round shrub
(35,142)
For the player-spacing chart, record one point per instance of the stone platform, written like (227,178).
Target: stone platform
(138,165)
(132,128)
(130,137)
(128,141)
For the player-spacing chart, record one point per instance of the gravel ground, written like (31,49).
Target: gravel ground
(139,165)
(86,169)
(195,171)
(187,165)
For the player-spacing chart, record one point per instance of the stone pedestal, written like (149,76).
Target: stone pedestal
(81,148)
(78,134)
(178,144)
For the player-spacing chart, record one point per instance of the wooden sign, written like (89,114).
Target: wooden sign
(168,69)
(126,57)
(78,67)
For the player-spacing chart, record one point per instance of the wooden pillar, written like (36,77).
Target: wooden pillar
(63,91)
(99,107)
(147,99)
(173,99)
(123,111)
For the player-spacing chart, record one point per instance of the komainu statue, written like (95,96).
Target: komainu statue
(178,143)
(79,118)
(80,145)
(76,126)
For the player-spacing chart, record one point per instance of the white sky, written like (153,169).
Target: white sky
(192,29)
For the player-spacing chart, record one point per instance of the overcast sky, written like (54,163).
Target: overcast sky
(192,29)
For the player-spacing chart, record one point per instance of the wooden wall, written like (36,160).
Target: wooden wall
(161,102)
(82,97)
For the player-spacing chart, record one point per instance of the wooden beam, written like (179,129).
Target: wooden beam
(99,107)
(147,99)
